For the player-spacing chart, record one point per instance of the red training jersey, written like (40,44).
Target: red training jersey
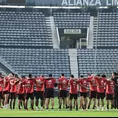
(110,87)
(6,84)
(21,88)
(83,82)
(92,83)
(40,87)
(73,86)
(29,85)
(13,87)
(50,82)
(1,84)
(100,84)
(63,83)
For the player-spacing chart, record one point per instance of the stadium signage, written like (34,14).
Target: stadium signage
(89,3)
(72,31)
(62,3)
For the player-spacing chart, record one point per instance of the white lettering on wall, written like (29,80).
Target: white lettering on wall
(91,3)
(116,2)
(108,3)
(79,2)
(64,2)
(98,2)
(85,2)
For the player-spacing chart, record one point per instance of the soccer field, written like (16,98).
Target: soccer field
(16,113)
(56,113)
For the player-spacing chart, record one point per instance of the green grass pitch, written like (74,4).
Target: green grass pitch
(56,113)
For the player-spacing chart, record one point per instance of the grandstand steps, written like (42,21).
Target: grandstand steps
(95,23)
(90,33)
(5,68)
(73,62)
(48,26)
(51,25)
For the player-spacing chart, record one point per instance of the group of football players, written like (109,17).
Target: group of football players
(91,89)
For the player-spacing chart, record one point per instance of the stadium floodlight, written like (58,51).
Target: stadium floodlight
(10,6)
(53,7)
(21,6)
(41,7)
(103,7)
(57,7)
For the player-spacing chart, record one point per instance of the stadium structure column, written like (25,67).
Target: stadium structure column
(90,36)
(73,62)
(54,35)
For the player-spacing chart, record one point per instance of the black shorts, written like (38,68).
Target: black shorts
(75,96)
(100,95)
(63,93)
(84,94)
(30,95)
(109,97)
(49,93)
(39,94)
(5,92)
(21,97)
(93,94)
(12,95)
(1,95)
(34,93)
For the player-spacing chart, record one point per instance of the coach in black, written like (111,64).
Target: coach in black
(115,79)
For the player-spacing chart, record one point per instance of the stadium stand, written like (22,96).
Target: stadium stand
(37,61)
(26,42)
(107,36)
(106,61)
(24,29)
(71,19)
